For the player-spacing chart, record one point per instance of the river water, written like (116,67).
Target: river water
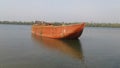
(96,48)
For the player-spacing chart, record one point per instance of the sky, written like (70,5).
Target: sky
(99,11)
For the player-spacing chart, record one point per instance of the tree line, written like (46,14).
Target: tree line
(17,22)
(114,25)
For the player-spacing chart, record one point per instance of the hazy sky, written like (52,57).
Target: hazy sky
(60,10)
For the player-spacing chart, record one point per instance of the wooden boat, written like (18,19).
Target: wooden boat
(71,31)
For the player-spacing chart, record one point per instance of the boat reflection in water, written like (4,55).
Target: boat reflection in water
(72,48)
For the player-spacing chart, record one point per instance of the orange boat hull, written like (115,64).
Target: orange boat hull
(58,32)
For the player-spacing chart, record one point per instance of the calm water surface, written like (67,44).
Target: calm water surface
(97,48)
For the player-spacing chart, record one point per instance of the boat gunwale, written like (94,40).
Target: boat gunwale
(57,25)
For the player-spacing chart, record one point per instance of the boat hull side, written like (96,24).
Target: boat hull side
(59,32)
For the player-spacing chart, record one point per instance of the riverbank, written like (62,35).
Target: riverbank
(17,22)
(113,25)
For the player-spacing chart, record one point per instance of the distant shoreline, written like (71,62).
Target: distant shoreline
(113,25)
(17,22)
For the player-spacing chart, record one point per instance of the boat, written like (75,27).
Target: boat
(69,31)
